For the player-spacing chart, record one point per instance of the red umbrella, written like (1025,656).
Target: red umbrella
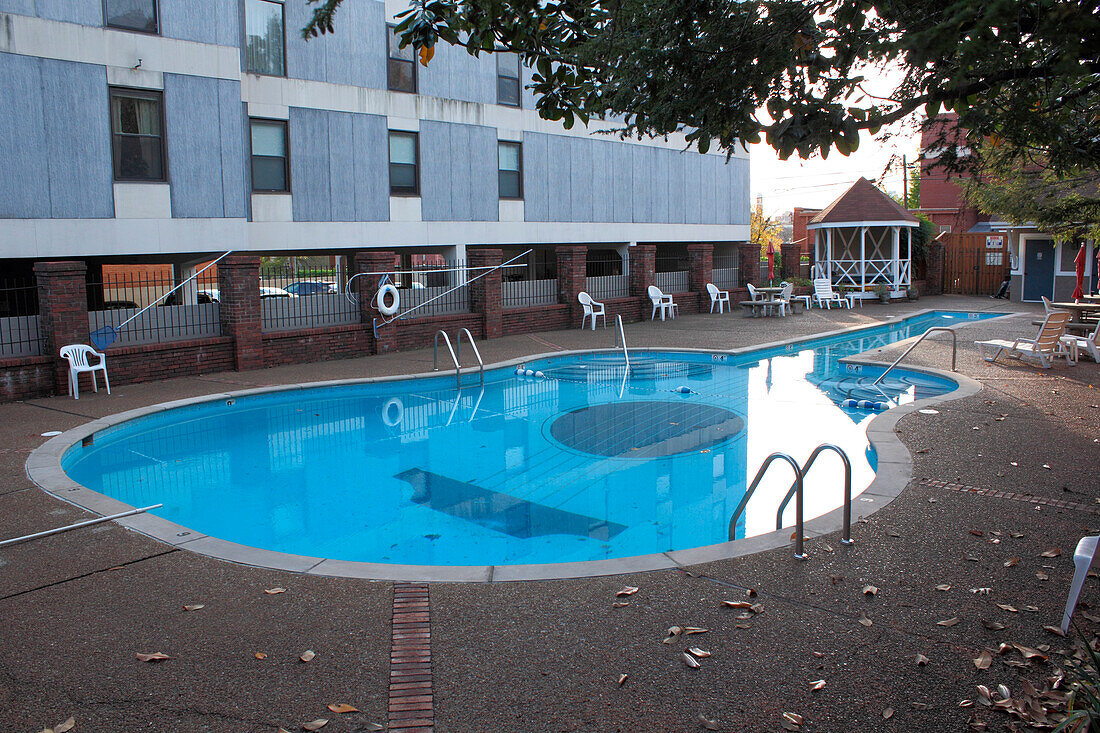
(771,261)
(1080,262)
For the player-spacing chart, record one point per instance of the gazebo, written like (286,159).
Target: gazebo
(863,245)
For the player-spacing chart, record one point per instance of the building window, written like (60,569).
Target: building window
(265,31)
(510,170)
(269,157)
(131,15)
(402,64)
(507,78)
(404,180)
(137,132)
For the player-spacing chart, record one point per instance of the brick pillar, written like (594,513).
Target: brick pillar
(239,309)
(789,256)
(933,278)
(373,260)
(643,268)
(572,264)
(700,264)
(748,263)
(485,297)
(63,311)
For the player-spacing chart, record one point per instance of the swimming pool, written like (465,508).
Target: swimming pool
(588,461)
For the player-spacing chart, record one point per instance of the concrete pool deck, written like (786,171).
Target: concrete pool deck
(533,656)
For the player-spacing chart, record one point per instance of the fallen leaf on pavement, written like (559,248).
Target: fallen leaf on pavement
(315,724)
(1006,607)
(1029,653)
(870,590)
(688,630)
(737,604)
(977,723)
(1052,552)
(707,722)
(816,685)
(340,707)
(864,620)
(308,655)
(194,607)
(622,679)
(627,591)
(921,660)
(620,604)
(887,713)
(701,653)
(977,532)
(154,657)
(943,587)
(984,660)
(993,625)
(1012,562)
(260,655)
(273,591)
(948,622)
(690,661)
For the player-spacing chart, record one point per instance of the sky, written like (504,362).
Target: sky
(815,183)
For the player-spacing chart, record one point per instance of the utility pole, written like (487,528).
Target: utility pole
(905,181)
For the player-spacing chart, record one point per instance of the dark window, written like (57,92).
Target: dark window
(133,15)
(137,131)
(402,64)
(510,170)
(265,45)
(269,156)
(404,180)
(507,78)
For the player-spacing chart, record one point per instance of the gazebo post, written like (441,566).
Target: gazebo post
(863,259)
(829,254)
(896,257)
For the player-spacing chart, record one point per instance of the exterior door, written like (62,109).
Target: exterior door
(1038,269)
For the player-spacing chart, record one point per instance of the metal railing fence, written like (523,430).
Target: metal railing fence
(188,313)
(20,332)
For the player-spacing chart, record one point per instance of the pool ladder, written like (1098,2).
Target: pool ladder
(456,356)
(796,491)
(923,336)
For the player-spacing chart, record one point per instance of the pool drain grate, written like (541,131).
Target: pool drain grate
(410,703)
(1011,495)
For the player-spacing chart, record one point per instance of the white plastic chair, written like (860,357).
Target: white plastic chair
(662,301)
(721,297)
(77,356)
(1085,343)
(784,299)
(592,309)
(1084,557)
(824,295)
(804,298)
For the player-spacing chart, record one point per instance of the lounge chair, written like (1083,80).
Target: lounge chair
(592,309)
(824,295)
(1047,305)
(1046,345)
(1084,557)
(721,297)
(77,356)
(1086,344)
(662,301)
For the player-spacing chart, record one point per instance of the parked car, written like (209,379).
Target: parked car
(310,287)
(266,292)
(201,297)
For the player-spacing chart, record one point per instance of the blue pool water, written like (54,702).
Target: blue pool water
(586,462)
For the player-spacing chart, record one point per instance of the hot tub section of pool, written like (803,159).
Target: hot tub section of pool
(589,461)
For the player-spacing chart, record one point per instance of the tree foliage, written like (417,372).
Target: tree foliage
(791,72)
(1063,203)
(764,231)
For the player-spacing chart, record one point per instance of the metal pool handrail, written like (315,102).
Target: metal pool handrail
(477,354)
(450,350)
(798,550)
(954,349)
(847,537)
(621,336)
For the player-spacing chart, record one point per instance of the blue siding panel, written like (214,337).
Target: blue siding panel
(232,114)
(622,163)
(309,164)
(558,172)
(455,74)
(370,153)
(204,21)
(581,151)
(24,191)
(536,186)
(84,12)
(527,97)
(676,191)
(739,191)
(78,140)
(355,54)
(693,170)
(341,167)
(462,183)
(603,181)
(436,171)
(643,184)
(485,205)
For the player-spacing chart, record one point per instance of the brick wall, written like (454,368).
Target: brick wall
(538,318)
(27,377)
(484,292)
(239,310)
(317,344)
(63,311)
(150,362)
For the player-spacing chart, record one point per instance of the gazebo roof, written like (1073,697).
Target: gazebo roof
(863,204)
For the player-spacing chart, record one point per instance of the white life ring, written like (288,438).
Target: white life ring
(388,416)
(388,289)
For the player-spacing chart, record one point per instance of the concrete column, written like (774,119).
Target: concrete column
(748,262)
(700,264)
(643,268)
(366,288)
(485,296)
(572,264)
(62,311)
(239,309)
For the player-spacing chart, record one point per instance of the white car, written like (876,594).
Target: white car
(266,292)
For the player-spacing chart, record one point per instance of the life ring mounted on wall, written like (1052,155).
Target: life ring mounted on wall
(384,292)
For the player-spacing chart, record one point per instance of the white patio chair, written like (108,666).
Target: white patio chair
(824,295)
(1084,557)
(721,297)
(77,356)
(783,300)
(1046,345)
(662,301)
(804,298)
(592,309)
(1047,305)
(1085,343)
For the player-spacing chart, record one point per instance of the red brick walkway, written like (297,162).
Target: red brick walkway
(411,661)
